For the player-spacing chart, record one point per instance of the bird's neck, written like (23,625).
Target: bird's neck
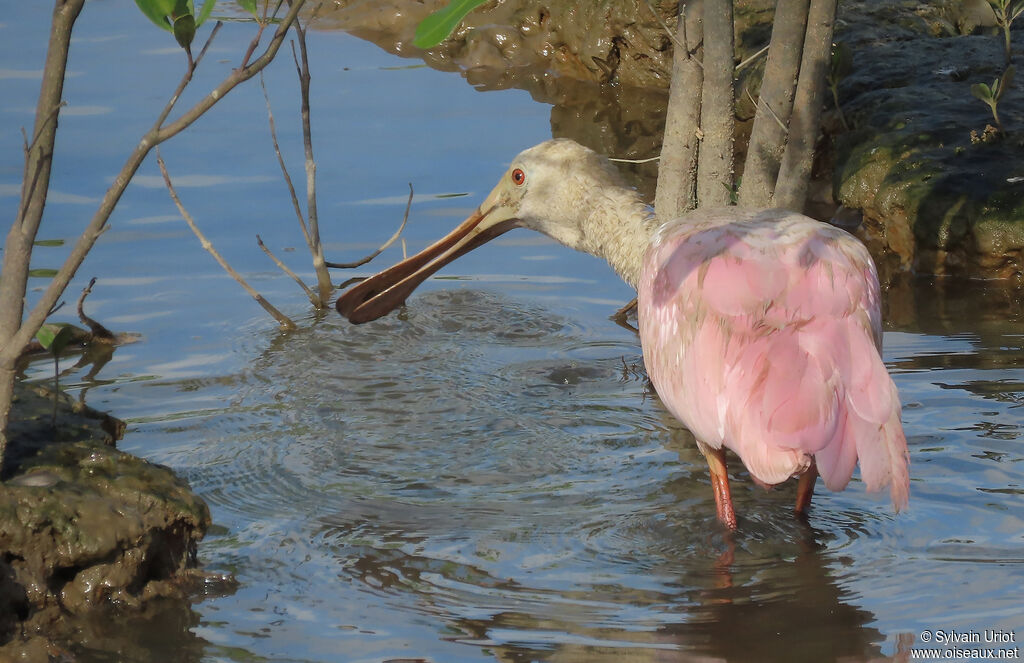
(619,228)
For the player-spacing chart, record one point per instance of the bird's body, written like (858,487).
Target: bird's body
(761,333)
(760,329)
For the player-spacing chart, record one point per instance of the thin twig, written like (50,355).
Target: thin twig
(255,40)
(281,318)
(187,78)
(98,330)
(768,108)
(280,162)
(359,263)
(668,30)
(39,131)
(29,188)
(316,249)
(309,292)
(753,58)
(647,160)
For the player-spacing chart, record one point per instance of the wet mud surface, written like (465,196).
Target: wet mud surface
(85,528)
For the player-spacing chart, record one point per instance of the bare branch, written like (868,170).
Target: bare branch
(284,168)
(288,271)
(186,78)
(677,170)
(647,160)
(679,43)
(751,60)
(760,103)
(359,263)
(151,139)
(323,277)
(281,318)
(39,130)
(98,330)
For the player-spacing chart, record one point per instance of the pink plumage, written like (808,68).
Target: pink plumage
(761,331)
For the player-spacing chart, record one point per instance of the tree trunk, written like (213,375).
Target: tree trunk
(795,170)
(718,115)
(774,104)
(34,188)
(677,169)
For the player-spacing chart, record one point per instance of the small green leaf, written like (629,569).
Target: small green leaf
(42,273)
(54,337)
(204,12)
(49,242)
(185,30)
(249,6)
(435,28)
(983,92)
(157,11)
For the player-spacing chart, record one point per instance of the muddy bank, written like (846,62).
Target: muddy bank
(89,535)
(913,184)
(936,194)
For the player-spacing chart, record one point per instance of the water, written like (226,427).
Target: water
(484,475)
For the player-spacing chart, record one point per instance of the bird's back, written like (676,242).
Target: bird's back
(761,331)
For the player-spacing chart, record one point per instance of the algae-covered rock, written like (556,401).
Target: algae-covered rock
(85,526)
(938,195)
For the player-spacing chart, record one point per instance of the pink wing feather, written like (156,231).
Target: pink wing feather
(761,332)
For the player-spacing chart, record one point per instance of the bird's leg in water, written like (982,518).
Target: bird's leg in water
(805,489)
(720,485)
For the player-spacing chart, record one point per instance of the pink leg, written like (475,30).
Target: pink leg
(805,489)
(720,485)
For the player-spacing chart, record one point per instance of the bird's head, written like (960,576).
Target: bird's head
(546,188)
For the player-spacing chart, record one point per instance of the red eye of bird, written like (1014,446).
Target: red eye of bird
(518,176)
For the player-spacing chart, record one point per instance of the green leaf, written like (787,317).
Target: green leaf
(842,61)
(249,6)
(435,28)
(49,242)
(1005,81)
(42,273)
(157,11)
(983,92)
(204,12)
(54,337)
(185,30)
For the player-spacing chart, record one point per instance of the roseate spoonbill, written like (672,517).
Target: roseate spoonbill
(760,329)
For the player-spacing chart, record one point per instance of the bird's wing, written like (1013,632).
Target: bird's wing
(763,336)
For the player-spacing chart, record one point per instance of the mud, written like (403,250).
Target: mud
(85,528)
(912,184)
